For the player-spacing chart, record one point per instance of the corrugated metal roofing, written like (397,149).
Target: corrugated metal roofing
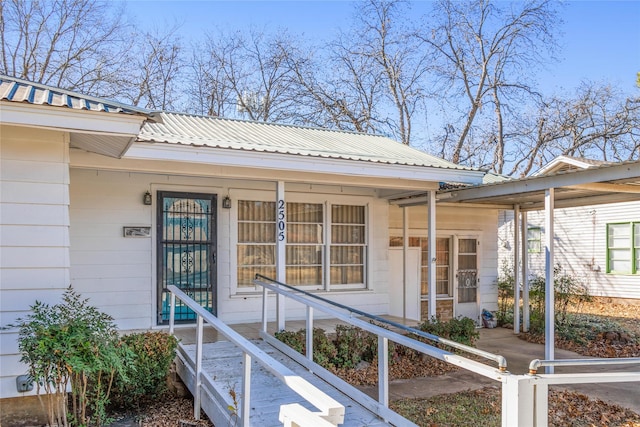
(285,139)
(17,90)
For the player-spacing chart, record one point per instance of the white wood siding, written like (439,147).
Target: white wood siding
(580,246)
(118,274)
(34,232)
(463,222)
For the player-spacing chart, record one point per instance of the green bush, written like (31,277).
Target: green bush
(353,346)
(505,282)
(72,343)
(324,351)
(146,377)
(462,329)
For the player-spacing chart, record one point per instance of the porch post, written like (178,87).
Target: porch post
(431,251)
(525,273)
(281,241)
(516,268)
(549,314)
(405,262)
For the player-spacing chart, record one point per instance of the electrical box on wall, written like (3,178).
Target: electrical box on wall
(24,383)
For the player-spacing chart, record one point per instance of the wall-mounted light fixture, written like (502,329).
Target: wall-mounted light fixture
(226,202)
(146,199)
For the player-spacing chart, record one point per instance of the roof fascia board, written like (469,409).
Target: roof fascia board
(288,162)
(67,119)
(82,160)
(527,185)
(558,162)
(612,188)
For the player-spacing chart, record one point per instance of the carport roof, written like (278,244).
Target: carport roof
(607,183)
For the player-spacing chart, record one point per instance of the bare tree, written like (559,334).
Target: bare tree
(596,122)
(73,44)
(251,73)
(155,76)
(483,52)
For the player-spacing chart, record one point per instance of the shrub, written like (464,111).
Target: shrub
(146,376)
(324,351)
(72,343)
(568,292)
(353,346)
(462,329)
(505,282)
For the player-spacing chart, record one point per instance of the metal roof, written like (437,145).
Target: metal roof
(233,134)
(18,90)
(607,183)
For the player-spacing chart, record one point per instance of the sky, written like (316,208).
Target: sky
(599,40)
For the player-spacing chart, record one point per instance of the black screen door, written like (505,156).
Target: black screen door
(186,235)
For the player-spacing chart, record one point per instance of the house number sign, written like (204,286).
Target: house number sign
(281,221)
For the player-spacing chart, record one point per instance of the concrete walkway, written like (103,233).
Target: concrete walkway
(519,354)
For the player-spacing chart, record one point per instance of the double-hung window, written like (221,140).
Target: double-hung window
(623,248)
(534,240)
(326,245)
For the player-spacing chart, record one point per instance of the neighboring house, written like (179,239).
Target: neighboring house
(121,202)
(597,244)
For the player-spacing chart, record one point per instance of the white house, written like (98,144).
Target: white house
(598,244)
(120,202)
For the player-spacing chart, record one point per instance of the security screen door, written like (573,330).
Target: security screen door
(467,279)
(186,236)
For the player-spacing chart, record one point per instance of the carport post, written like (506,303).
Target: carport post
(549,289)
(405,262)
(516,269)
(525,273)
(431,251)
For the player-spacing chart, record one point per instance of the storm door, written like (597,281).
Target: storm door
(186,236)
(467,279)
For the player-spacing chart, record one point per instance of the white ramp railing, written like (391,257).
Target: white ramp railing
(524,397)
(331,412)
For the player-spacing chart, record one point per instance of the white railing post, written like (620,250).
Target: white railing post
(517,401)
(246,390)
(541,405)
(310,333)
(264,309)
(383,370)
(196,395)
(172,311)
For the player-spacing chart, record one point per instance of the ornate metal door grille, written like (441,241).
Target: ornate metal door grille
(186,251)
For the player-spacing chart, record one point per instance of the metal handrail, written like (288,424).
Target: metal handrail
(330,408)
(502,362)
(537,363)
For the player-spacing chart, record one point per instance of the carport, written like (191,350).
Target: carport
(604,184)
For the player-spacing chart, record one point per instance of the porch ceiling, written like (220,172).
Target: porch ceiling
(604,184)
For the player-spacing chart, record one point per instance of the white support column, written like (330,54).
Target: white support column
(405,257)
(549,306)
(525,274)
(281,242)
(516,269)
(431,251)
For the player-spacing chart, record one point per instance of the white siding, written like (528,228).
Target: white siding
(580,246)
(462,222)
(34,232)
(118,274)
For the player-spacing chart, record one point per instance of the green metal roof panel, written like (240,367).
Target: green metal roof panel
(285,139)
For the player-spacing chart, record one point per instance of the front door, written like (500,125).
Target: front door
(467,279)
(186,236)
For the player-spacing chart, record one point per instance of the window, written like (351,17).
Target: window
(534,239)
(256,241)
(623,248)
(306,247)
(304,244)
(348,240)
